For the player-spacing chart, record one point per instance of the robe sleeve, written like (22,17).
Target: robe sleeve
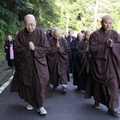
(20,48)
(41,51)
(80,49)
(116,56)
(63,50)
(96,49)
(52,48)
(116,46)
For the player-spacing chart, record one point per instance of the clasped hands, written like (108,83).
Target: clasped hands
(110,43)
(58,44)
(31,46)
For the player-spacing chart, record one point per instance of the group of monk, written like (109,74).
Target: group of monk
(48,58)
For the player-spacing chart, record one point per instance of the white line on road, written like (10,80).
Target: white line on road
(5,84)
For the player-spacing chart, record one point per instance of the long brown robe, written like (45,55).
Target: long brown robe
(31,75)
(81,65)
(105,68)
(58,61)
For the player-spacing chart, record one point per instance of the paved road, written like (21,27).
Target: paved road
(5,72)
(71,106)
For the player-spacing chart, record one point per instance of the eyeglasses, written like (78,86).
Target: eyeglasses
(28,25)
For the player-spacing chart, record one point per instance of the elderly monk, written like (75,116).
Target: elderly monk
(57,58)
(74,42)
(81,64)
(105,66)
(31,76)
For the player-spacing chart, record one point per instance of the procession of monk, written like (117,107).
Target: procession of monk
(46,60)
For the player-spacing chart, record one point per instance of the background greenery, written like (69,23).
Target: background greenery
(49,13)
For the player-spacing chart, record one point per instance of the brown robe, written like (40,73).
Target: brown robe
(58,61)
(81,65)
(31,75)
(105,68)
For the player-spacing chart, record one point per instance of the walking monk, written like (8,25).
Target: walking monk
(105,66)
(31,76)
(58,62)
(81,64)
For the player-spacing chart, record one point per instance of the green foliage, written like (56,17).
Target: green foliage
(55,13)
(81,13)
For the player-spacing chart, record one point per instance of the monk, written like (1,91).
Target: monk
(69,39)
(105,66)
(74,49)
(51,33)
(74,42)
(81,63)
(31,75)
(57,58)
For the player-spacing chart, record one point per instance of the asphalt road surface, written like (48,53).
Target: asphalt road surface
(71,106)
(5,72)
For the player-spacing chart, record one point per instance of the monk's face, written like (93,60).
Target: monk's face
(107,24)
(9,37)
(57,36)
(87,35)
(30,24)
(71,33)
(80,37)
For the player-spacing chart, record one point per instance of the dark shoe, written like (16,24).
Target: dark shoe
(54,87)
(64,90)
(78,89)
(96,105)
(113,112)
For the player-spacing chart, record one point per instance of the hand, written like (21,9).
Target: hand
(58,44)
(6,47)
(110,43)
(31,46)
(87,49)
(71,39)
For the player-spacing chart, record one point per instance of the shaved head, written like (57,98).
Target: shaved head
(9,37)
(30,23)
(107,17)
(80,36)
(88,31)
(57,33)
(29,16)
(107,22)
(87,34)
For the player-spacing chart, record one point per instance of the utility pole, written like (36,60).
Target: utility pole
(95,14)
(67,21)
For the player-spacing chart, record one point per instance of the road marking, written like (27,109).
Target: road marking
(5,84)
